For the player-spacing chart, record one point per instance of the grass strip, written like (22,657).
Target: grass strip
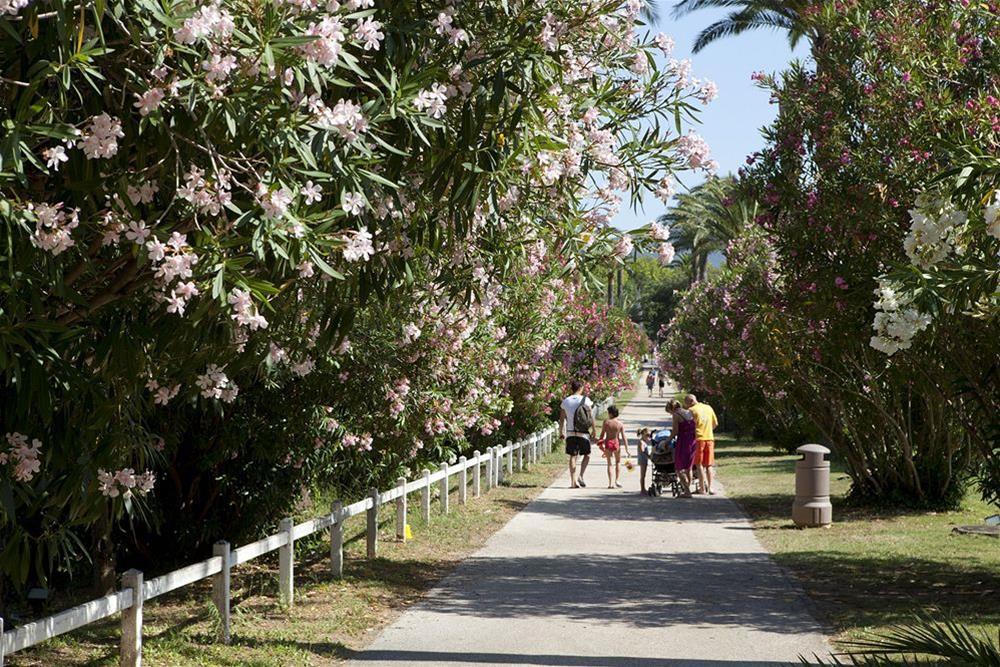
(875,567)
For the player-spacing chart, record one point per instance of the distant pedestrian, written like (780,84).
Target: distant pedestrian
(684,448)
(576,426)
(650,381)
(611,442)
(704,453)
(662,382)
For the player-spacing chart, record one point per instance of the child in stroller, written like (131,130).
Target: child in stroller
(661,455)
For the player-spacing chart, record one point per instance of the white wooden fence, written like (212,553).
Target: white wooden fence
(499,462)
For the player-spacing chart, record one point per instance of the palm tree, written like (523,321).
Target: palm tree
(705,219)
(787,15)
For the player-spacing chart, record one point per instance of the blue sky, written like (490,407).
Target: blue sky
(731,124)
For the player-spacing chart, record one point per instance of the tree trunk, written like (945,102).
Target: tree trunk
(105,576)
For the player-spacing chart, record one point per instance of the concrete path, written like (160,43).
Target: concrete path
(599,577)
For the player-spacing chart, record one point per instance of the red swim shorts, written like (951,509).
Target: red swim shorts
(704,452)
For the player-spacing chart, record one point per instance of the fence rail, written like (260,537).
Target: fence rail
(498,461)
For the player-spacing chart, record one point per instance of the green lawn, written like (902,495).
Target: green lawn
(872,568)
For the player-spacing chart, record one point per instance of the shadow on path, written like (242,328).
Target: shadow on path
(674,590)
(618,505)
(438,657)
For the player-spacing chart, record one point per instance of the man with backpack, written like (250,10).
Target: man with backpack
(576,425)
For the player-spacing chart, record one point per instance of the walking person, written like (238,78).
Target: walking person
(650,381)
(684,426)
(662,382)
(611,442)
(576,426)
(704,451)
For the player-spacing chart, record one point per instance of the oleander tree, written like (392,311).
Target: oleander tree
(859,136)
(204,199)
(946,295)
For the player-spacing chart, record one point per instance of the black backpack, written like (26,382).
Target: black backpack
(583,417)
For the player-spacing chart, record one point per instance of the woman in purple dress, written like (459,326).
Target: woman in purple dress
(683,427)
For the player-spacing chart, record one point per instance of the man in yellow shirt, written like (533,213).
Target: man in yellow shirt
(704,441)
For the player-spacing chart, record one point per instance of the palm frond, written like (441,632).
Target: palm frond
(923,642)
(685,7)
(739,23)
(786,15)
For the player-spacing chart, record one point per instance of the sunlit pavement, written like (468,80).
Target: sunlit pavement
(599,577)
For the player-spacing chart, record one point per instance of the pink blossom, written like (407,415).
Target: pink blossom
(359,246)
(149,101)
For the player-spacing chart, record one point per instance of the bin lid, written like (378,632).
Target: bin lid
(814,452)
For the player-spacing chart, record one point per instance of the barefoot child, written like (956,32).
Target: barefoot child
(611,442)
(645,442)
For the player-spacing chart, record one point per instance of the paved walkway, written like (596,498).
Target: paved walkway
(599,577)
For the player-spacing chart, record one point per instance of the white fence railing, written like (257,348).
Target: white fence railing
(499,462)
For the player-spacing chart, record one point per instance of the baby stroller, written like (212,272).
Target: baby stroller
(661,456)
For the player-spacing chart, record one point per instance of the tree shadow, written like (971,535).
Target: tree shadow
(861,591)
(732,451)
(733,589)
(635,507)
(554,660)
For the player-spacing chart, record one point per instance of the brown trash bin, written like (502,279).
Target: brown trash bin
(812,506)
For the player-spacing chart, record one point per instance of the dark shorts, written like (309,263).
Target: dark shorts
(577,446)
(643,458)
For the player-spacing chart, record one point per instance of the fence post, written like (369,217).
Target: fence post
(286,564)
(489,468)
(337,540)
(463,480)
(372,532)
(498,467)
(401,510)
(510,459)
(130,654)
(427,496)
(520,455)
(221,589)
(444,489)
(476,475)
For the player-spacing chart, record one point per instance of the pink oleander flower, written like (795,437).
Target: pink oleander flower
(311,192)
(694,150)
(369,33)
(244,311)
(149,101)
(665,43)
(209,24)
(359,246)
(624,246)
(53,226)
(666,253)
(353,203)
(432,100)
(54,156)
(100,138)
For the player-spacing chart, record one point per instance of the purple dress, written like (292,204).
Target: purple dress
(684,446)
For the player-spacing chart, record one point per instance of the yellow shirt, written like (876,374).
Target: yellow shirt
(705,421)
